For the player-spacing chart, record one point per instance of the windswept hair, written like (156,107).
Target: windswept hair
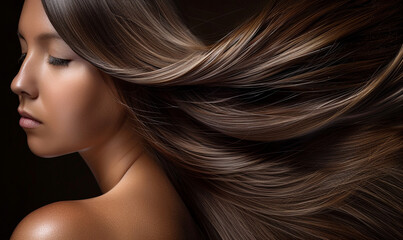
(289,127)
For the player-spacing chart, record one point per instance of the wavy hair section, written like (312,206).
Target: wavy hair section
(289,127)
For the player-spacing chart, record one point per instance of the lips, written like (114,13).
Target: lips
(27,120)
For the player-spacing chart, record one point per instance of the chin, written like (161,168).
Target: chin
(45,153)
(46,150)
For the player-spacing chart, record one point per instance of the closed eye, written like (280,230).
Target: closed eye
(58,61)
(51,60)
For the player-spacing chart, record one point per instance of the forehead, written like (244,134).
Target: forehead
(33,20)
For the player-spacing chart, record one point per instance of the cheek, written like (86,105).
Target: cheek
(80,112)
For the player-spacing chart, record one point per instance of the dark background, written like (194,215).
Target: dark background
(29,182)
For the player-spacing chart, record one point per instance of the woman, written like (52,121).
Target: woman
(289,127)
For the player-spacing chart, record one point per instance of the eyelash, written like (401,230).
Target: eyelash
(58,61)
(51,60)
(22,57)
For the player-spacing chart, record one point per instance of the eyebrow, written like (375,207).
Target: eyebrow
(43,36)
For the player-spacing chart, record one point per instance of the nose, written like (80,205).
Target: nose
(24,83)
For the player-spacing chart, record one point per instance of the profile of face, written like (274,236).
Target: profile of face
(67,104)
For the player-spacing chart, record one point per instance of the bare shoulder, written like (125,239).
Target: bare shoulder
(144,205)
(60,220)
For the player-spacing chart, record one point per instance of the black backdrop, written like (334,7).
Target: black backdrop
(29,182)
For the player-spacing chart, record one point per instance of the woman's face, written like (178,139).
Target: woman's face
(75,105)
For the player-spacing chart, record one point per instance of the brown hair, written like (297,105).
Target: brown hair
(288,127)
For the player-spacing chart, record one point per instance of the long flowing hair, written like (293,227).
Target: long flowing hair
(288,127)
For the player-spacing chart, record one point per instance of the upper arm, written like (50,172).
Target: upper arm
(61,220)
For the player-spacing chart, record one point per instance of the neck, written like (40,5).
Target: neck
(111,159)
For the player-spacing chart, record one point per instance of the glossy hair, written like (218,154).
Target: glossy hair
(289,127)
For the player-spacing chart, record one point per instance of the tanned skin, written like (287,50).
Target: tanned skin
(76,110)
